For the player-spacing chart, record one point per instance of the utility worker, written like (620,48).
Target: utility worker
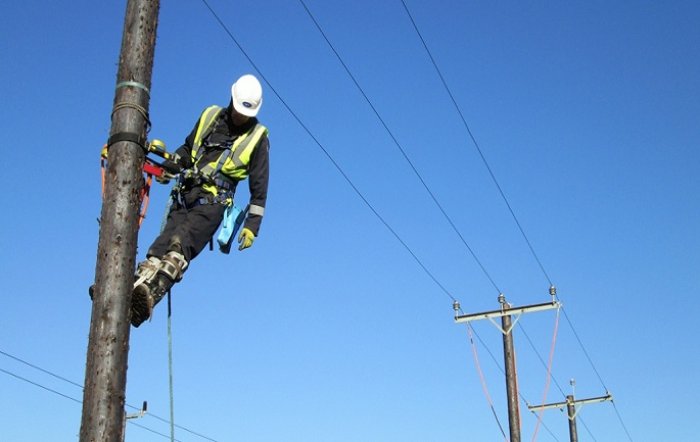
(226,146)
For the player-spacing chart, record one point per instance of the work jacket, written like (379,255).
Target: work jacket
(228,154)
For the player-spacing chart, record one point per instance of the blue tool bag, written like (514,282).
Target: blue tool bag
(233,218)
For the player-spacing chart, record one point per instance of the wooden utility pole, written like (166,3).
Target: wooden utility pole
(108,347)
(571,409)
(571,412)
(505,313)
(511,375)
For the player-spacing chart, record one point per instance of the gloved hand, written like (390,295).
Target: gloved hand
(171,167)
(245,239)
(177,163)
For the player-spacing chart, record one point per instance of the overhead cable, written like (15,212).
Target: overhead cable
(50,373)
(78,401)
(500,189)
(328,155)
(401,149)
(476,144)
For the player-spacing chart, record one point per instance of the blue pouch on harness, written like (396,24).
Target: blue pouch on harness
(233,218)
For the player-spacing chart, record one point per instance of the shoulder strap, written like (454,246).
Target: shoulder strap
(204,128)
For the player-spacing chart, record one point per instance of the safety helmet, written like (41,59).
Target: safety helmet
(246,94)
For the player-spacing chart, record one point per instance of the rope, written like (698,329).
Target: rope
(549,375)
(142,110)
(170,368)
(483,382)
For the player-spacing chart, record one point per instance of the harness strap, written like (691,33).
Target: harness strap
(127,136)
(223,198)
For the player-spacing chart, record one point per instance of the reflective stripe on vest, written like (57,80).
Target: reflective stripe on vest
(233,162)
(206,123)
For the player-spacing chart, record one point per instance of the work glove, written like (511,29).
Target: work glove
(171,167)
(176,164)
(245,238)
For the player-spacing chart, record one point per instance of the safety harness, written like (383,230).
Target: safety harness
(219,178)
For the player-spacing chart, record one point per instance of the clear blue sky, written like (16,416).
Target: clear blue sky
(328,329)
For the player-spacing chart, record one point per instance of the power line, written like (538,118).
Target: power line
(359,193)
(78,401)
(585,352)
(629,436)
(500,190)
(40,386)
(476,144)
(527,337)
(328,155)
(50,373)
(498,365)
(398,145)
(153,431)
(590,361)
(40,369)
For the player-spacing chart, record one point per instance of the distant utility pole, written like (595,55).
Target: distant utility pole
(506,327)
(108,347)
(571,409)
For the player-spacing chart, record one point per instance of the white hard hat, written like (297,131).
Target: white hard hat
(246,94)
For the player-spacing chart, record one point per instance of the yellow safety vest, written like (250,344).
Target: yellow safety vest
(233,162)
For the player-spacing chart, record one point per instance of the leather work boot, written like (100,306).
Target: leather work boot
(146,296)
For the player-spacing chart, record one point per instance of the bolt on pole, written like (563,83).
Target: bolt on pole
(108,346)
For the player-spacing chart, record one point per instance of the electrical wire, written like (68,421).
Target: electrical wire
(500,189)
(43,370)
(153,431)
(498,365)
(476,144)
(328,155)
(40,386)
(617,412)
(398,145)
(78,401)
(583,347)
(549,376)
(554,379)
(588,430)
(364,199)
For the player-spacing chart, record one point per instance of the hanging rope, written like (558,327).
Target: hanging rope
(170,369)
(549,375)
(483,381)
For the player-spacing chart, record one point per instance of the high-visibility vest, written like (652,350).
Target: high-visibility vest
(233,162)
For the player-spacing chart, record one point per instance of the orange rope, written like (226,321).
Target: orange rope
(144,196)
(549,376)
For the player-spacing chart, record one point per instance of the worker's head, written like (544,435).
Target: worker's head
(246,95)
